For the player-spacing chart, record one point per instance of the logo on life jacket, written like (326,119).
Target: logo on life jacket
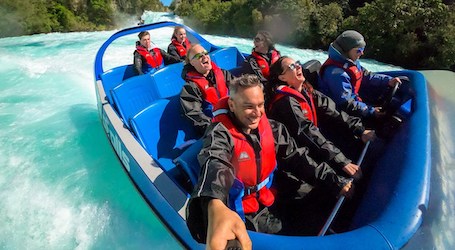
(244,156)
(253,167)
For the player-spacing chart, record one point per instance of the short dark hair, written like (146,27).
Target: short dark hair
(243,82)
(143,33)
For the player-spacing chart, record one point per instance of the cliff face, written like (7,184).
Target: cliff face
(77,6)
(25,17)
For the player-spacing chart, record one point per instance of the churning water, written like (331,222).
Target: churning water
(61,185)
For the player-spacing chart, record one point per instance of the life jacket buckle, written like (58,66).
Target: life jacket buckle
(255,188)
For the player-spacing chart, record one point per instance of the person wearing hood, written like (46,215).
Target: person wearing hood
(353,88)
(148,58)
(263,55)
(179,43)
(236,189)
(205,84)
(308,113)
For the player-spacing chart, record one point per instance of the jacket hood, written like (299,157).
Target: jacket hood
(187,68)
(336,55)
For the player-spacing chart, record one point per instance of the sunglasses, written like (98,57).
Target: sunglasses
(258,39)
(360,50)
(200,55)
(293,66)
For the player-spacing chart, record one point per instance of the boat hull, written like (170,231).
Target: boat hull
(390,213)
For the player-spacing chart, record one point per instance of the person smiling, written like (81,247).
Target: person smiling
(148,58)
(304,110)
(205,84)
(353,88)
(241,150)
(263,55)
(179,43)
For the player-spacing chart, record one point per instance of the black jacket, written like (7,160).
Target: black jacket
(250,66)
(140,60)
(287,110)
(192,100)
(217,173)
(172,50)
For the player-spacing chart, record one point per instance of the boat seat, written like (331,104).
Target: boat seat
(114,77)
(228,58)
(133,95)
(163,131)
(189,163)
(310,70)
(167,82)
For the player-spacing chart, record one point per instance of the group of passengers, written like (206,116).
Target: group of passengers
(149,58)
(243,150)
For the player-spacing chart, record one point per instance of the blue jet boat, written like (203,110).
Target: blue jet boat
(141,117)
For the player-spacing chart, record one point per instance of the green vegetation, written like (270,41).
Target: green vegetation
(25,17)
(415,34)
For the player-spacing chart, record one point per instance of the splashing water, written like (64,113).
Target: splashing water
(61,185)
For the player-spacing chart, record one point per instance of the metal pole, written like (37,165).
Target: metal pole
(341,199)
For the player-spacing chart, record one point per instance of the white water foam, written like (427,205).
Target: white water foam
(58,186)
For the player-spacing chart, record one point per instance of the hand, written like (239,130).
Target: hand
(223,225)
(368,135)
(353,170)
(378,112)
(394,81)
(347,190)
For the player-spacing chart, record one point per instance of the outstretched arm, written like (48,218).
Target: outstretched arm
(223,225)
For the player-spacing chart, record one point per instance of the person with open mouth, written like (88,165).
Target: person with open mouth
(205,84)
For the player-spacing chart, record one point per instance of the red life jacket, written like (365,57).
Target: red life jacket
(263,64)
(354,73)
(308,107)
(211,93)
(252,169)
(155,61)
(181,49)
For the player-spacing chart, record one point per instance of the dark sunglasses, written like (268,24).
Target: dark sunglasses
(293,66)
(200,55)
(360,50)
(258,39)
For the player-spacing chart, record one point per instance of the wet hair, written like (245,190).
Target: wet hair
(243,82)
(142,34)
